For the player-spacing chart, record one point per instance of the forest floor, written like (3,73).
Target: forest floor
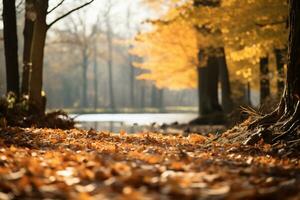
(78,164)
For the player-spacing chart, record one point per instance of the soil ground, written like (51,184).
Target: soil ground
(77,164)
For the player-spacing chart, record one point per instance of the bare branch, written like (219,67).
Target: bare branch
(55,7)
(68,13)
(19,7)
(19,4)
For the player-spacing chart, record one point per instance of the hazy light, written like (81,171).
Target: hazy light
(119,12)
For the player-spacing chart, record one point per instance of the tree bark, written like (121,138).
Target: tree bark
(11,46)
(204,99)
(293,72)
(208,87)
(28,38)
(213,80)
(227,103)
(264,79)
(279,54)
(37,101)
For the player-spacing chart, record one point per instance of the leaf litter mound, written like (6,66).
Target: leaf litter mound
(78,164)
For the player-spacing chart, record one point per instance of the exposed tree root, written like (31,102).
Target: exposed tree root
(290,131)
(269,119)
(293,119)
(265,121)
(279,128)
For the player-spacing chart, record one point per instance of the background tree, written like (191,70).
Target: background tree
(61,85)
(76,33)
(261,31)
(30,17)
(38,44)
(109,38)
(179,18)
(132,74)
(11,46)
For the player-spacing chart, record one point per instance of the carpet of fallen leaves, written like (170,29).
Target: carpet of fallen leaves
(77,164)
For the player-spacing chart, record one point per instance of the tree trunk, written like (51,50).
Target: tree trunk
(208,87)
(227,103)
(11,46)
(28,37)
(154,97)
(84,79)
(207,76)
(213,80)
(293,72)
(205,106)
(279,54)
(66,92)
(96,94)
(110,64)
(132,78)
(37,101)
(143,91)
(264,79)
(248,94)
(111,87)
(160,100)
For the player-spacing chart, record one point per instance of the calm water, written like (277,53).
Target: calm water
(129,122)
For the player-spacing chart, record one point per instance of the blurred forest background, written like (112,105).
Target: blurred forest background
(152,55)
(84,48)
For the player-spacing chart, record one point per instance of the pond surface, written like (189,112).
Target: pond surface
(129,122)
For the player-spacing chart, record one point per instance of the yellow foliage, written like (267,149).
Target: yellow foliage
(169,55)
(249,30)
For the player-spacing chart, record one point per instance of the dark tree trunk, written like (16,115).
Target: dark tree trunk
(264,79)
(279,54)
(213,80)
(204,104)
(28,37)
(11,46)
(37,101)
(227,103)
(248,94)
(84,78)
(208,78)
(293,72)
